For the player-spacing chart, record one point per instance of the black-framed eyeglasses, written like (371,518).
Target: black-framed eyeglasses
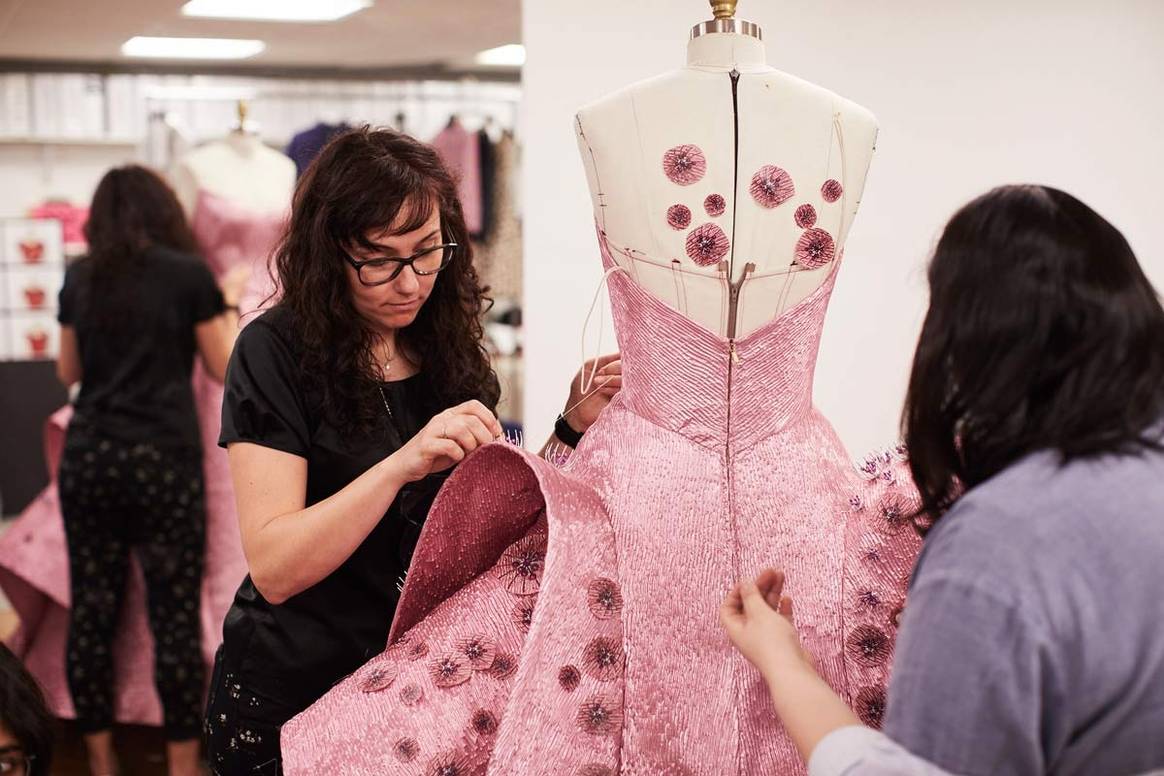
(16,764)
(376,272)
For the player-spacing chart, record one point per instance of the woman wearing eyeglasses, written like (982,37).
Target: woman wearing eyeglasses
(345,405)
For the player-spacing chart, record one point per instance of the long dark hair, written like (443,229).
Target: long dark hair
(1043,333)
(23,712)
(361,181)
(133,210)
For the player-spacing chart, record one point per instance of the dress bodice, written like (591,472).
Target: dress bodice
(229,235)
(709,388)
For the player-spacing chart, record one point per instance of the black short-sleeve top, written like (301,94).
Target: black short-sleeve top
(296,650)
(135,333)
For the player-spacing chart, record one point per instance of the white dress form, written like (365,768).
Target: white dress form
(238,168)
(769,119)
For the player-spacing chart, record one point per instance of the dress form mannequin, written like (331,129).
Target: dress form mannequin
(741,115)
(238,168)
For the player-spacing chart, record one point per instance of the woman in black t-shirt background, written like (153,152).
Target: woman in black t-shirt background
(345,406)
(134,313)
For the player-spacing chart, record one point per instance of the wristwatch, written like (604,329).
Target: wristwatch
(565,433)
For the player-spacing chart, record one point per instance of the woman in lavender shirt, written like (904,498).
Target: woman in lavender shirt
(1033,641)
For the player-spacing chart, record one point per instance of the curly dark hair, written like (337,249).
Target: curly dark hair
(132,210)
(1043,333)
(362,181)
(23,712)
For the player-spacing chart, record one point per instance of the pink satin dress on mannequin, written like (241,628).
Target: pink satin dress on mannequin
(34,571)
(564,619)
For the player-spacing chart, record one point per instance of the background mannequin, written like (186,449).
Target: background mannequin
(810,133)
(239,168)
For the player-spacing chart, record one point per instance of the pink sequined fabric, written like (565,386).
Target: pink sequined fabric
(34,570)
(704,470)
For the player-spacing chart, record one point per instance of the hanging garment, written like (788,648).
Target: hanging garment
(306,145)
(565,620)
(499,257)
(461,152)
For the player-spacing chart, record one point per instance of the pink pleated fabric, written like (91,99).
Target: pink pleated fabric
(34,570)
(614,661)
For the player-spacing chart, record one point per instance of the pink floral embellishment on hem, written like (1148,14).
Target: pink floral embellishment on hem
(679,217)
(417,651)
(603,598)
(871,706)
(831,190)
(772,186)
(449,671)
(599,716)
(595,769)
(406,750)
(479,651)
(569,678)
(483,722)
(869,646)
(453,764)
(602,659)
(715,205)
(504,666)
(805,216)
(815,248)
(521,564)
(378,678)
(411,694)
(893,515)
(684,164)
(707,245)
(523,614)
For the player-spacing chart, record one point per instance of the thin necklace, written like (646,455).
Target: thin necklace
(384,399)
(387,367)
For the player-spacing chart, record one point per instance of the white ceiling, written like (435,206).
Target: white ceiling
(390,34)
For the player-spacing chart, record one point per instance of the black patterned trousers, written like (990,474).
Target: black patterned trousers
(119,498)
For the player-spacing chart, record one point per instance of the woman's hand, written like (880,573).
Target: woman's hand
(583,408)
(446,440)
(234,283)
(757,617)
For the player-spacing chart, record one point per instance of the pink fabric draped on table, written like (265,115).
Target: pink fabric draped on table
(34,571)
(564,620)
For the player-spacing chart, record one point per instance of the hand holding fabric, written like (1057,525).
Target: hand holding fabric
(589,397)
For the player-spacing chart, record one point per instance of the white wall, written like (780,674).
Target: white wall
(969,95)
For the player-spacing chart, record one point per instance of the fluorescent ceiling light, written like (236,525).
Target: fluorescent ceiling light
(199,92)
(191,48)
(512,55)
(275,10)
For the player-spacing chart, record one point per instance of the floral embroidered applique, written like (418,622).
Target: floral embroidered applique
(831,190)
(684,164)
(679,217)
(707,245)
(772,186)
(814,249)
(805,216)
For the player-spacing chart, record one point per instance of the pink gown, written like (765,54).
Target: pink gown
(565,620)
(34,570)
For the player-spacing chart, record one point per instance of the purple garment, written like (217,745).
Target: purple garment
(461,152)
(306,145)
(1034,638)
